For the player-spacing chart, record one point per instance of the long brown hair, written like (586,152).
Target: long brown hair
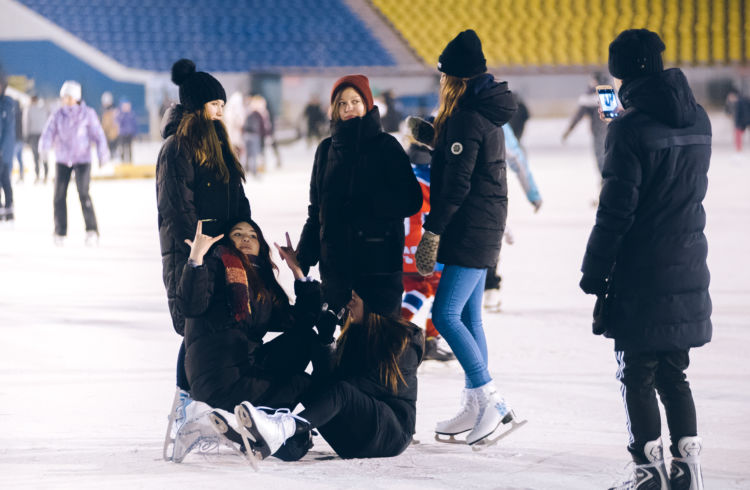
(203,139)
(451,90)
(383,341)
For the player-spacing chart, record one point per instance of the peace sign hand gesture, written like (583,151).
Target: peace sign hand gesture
(289,255)
(201,244)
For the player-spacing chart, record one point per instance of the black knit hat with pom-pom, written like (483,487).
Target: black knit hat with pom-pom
(196,87)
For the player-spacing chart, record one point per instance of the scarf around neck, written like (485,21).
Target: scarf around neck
(239,290)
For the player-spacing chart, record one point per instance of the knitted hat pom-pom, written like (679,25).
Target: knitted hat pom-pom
(181,70)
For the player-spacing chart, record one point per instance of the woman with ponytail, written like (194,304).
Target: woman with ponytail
(463,231)
(198,177)
(363,401)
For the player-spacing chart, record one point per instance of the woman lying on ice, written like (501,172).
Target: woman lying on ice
(364,404)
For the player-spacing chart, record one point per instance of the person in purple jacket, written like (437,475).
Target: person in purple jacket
(70,131)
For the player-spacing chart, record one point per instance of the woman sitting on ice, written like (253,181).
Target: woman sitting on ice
(365,405)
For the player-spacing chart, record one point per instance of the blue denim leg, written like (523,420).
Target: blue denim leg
(457,314)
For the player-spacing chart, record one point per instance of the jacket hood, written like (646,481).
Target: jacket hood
(171,120)
(665,96)
(491,99)
(356,130)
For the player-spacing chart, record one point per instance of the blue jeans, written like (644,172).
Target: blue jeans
(457,314)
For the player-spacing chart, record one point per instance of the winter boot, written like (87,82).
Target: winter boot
(92,238)
(649,476)
(685,473)
(436,349)
(463,421)
(491,412)
(492,300)
(265,433)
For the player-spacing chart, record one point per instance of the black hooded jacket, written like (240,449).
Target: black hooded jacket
(469,191)
(185,193)
(648,238)
(394,415)
(361,189)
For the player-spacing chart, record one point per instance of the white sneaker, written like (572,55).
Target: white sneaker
(463,421)
(58,239)
(265,433)
(492,411)
(685,472)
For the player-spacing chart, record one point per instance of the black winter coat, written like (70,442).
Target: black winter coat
(219,350)
(469,189)
(648,238)
(361,189)
(396,415)
(185,193)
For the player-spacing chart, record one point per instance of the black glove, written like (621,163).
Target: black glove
(326,324)
(593,285)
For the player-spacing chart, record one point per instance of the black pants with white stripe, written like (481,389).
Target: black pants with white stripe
(642,375)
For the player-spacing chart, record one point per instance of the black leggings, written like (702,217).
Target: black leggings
(643,374)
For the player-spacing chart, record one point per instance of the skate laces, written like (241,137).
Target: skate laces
(280,413)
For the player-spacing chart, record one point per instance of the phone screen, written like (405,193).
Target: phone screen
(608,101)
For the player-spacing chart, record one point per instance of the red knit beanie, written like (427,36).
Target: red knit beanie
(360,83)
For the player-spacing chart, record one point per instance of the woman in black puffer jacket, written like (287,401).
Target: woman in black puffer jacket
(198,177)
(362,187)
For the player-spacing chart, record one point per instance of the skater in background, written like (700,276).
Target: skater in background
(253,131)
(315,120)
(8,108)
(128,126)
(235,113)
(109,122)
(198,177)
(70,131)
(18,147)
(365,405)
(646,255)
(519,164)
(36,117)
(419,289)
(519,118)
(588,106)
(361,189)
(738,107)
(464,229)
(231,299)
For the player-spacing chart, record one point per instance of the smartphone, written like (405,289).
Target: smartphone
(607,101)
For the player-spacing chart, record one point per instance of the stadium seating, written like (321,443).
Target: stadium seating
(220,35)
(575,33)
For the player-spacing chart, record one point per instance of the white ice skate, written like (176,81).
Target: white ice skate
(225,424)
(462,422)
(176,419)
(264,433)
(493,413)
(650,476)
(685,473)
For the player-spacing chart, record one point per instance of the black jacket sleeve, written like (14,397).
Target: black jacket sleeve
(196,288)
(308,249)
(463,137)
(175,180)
(622,176)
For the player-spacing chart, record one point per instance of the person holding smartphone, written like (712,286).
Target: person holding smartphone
(646,255)
(198,177)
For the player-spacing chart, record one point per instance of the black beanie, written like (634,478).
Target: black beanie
(196,87)
(463,56)
(634,53)
(381,294)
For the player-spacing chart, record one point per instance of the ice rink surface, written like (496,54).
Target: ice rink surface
(87,351)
